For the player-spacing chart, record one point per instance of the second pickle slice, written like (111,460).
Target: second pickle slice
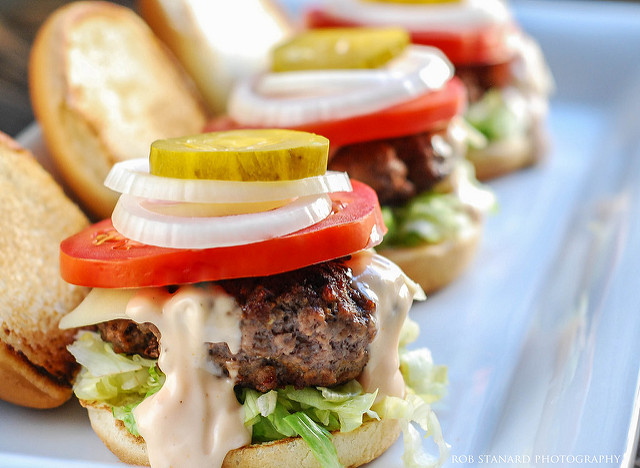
(243,155)
(340,48)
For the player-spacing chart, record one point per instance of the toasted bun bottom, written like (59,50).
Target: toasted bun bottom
(26,385)
(502,157)
(354,448)
(434,266)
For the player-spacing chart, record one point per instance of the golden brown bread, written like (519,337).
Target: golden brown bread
(103,87)
(503,157)
(354,448)
(218,42)
(35,367)
(433,266)
(510,154)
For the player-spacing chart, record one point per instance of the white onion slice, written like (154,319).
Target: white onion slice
(317,81)
(132,177)
(288,99)
(134,218)
(458,16)
(207,210)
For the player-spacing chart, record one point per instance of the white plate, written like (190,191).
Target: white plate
(542,335)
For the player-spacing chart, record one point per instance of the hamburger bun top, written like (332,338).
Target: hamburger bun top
(217,42)
(35,368)
(103,87)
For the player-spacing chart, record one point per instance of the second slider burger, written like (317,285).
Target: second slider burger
(503,69)
(239,316)
(393,114)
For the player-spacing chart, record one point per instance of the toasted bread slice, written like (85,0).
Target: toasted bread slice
(35,368)
(103,87)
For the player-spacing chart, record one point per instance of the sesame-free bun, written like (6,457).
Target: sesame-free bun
(35,368)
(103,87)
(503,157)
(354,448)
(434,266)
(218,42)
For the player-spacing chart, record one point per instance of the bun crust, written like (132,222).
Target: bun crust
(433,266)
(503,157)
(103,87)
(35,367)
(354,448)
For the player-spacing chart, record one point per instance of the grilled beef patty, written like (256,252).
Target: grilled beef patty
(308,327)
(478,79)
(398,168)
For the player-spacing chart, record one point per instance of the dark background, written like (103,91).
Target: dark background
(19,22)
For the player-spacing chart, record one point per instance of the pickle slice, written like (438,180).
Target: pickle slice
(340,48)
(264,154)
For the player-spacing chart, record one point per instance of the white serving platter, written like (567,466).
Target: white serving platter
(542,335)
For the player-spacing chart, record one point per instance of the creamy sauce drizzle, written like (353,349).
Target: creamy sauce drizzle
(393,292)
(195,419)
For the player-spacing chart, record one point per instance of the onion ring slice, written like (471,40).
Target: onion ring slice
(290,99)
(136,219)
(132,177)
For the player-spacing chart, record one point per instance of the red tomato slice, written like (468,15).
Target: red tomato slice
(100,257)
(425,112)
(480,46)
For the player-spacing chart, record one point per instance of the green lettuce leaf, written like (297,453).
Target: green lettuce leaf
(316,437)
(494,116)
(430,218)
(117,380)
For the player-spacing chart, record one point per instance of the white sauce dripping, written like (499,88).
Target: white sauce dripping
(195,419)
(393,292)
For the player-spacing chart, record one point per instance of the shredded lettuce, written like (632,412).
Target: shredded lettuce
(430,217)
(433,217)
(421,376)
(317,437)
(426,383)
(117,380)
(496,115)
(312,413)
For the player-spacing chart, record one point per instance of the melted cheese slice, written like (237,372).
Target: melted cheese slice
(100,305)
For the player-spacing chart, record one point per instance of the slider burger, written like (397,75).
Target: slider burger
(238,315)
(393,114)
(504,71)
